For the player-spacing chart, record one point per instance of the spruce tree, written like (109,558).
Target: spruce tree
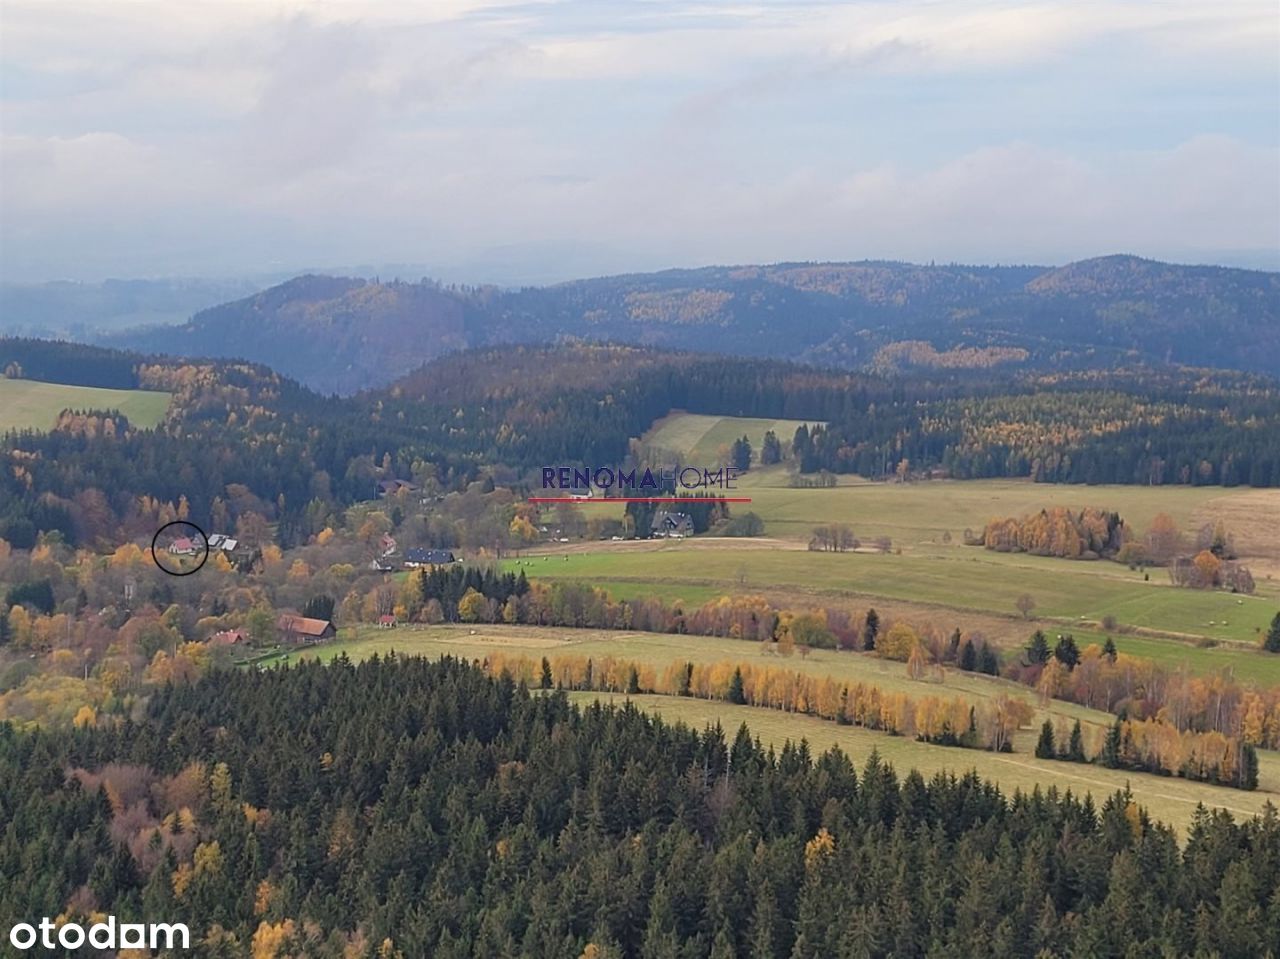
(1272,643)
(1075,750)
(870,630)
(1038,648)
(1248,767)
(736,694)
(1044,747)
(633,681)
(968,656)
(1109,649)
(1110,755)
(1066,651)
(546,681)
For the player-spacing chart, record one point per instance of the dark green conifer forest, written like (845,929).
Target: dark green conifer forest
(401,807)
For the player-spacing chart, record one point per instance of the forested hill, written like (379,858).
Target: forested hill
(431,810)
(343,335)
(242,434)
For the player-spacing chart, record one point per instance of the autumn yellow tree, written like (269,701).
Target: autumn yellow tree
(898,642)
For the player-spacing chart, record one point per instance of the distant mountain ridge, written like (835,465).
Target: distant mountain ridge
(344,335)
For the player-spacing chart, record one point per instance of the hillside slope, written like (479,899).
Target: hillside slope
(344,335)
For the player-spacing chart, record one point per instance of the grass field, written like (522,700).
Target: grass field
(962,578)
(916,515)
(705,440)
(1172,800)
(929,575)
(27,404)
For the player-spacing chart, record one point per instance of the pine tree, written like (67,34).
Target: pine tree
(1248,766)
(736,694)
(722,948)
(1110,755)
(1272,643)
(870,630)
(1044,747)
(1066,651)
(319,607)
(1075,750)
(771,450)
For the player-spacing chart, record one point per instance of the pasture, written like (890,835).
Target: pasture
(1172,800)
(964,578)
(929,576)
(28,404)
(705,440)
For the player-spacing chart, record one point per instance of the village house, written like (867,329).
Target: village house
(387,622)
(223,542)
(419,556)
(303,629)
(670,524)
(183,546)
(229,637)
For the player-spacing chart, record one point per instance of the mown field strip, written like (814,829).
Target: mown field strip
(1171,800)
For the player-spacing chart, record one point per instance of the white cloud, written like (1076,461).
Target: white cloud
(140,138)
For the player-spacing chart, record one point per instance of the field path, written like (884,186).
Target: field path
(1110,786)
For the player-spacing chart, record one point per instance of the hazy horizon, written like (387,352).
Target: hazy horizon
(532,142)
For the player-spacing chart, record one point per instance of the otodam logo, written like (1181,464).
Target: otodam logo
(612,484)
(48,935)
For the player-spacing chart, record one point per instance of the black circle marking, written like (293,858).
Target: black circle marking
(180,522)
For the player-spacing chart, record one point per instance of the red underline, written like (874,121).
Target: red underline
(641,499)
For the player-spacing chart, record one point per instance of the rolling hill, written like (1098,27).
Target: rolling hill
(344,335)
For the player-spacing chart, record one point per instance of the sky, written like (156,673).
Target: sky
(526,142)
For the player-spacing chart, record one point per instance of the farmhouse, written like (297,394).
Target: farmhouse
(387,622)
(183,546)
(303,629)
(229,637)
(419,556)
(670,524)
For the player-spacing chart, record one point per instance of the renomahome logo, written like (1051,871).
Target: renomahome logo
(101,935)
(577,478)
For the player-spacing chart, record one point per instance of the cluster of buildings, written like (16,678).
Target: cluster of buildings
(191,545)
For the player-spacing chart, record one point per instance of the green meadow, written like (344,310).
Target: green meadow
(967,578)
(928,575)
(705,440)
(28,404)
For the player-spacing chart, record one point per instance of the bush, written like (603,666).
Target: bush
(748,524)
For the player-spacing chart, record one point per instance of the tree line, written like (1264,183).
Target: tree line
(953,721)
